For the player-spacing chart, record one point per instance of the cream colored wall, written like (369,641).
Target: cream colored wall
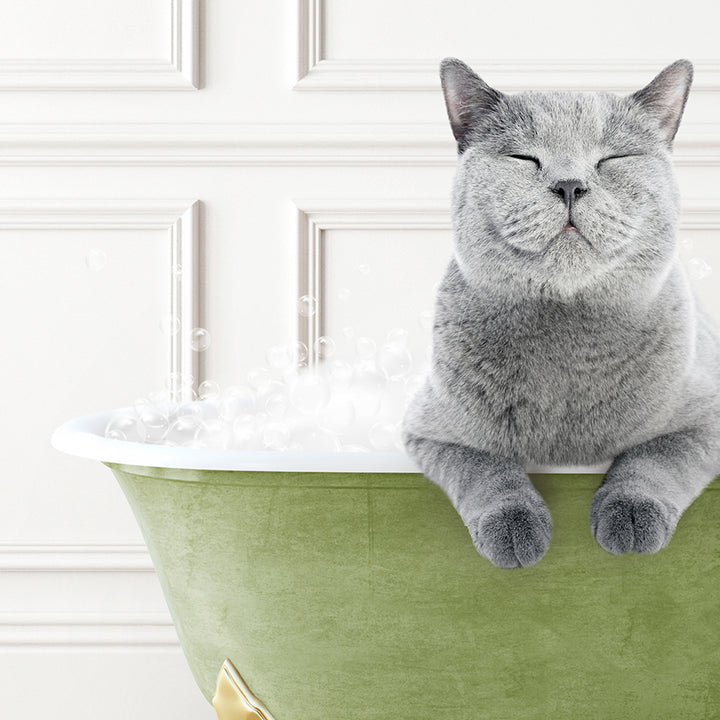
(117,117)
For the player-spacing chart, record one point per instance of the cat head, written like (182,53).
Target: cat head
(560,191)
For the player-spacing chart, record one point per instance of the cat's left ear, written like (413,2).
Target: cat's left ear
(467,97)
(665,96)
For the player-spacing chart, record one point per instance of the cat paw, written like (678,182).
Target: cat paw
(513,534)
(624,522)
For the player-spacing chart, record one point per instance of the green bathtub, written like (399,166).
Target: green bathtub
(358,595)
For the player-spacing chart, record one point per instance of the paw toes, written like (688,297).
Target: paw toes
(623,524)
(514,535)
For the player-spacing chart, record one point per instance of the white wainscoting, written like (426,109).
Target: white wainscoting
(315,135)
(103,45)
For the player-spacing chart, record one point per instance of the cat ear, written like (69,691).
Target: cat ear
(467,97)
(665,96)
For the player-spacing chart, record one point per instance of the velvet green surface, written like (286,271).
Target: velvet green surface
(361,597)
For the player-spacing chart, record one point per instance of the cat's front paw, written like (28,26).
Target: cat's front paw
(514,533)
(623,521)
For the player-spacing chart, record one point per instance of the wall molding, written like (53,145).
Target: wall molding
(316,72)
(315,216)
(82,630)
(700,214)
(179,219)
(100,626)
(622,76)
(178,72)
(87,557)
(225,144)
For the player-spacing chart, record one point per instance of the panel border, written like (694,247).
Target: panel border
(45,630)
(317,216)
(180,220)
(103,627)
(179,72)
(268,145)
(316,72)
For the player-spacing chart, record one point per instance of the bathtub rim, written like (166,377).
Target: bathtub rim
(84,437)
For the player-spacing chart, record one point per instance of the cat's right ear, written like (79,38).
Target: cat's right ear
(467,97)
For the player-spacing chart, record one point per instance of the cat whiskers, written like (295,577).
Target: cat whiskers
(525,224)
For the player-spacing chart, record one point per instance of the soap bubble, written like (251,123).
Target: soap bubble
(394,399)
(281,357)
(341,372)
(159,397)
(176,379)
(235,400)
(307,306)
(245,432)
(413,383)
(215,433)
(208,390)
(399,336)
(183,429)
(365,391)
(344,293)
(309,392)
(698,268)
(314,439)
(382,436)
(425,319)
(324,347)
(301,353)
(123,427)
(276,404)
(687,243)
(181,392)
(95,259)
(140,404)
(258,378)
(153,424)
(271,387)
(354,401)
(176,270)
(199,339)
(170,325)
(364,268)
(394,360)
(191,408)
(365,348)
(338,415)
(276,436)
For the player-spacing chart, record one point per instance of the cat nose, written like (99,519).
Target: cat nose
(569,190)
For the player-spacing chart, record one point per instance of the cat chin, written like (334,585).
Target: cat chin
(566,270)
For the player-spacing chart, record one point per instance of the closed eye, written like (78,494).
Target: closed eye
(526,157)
(615,157)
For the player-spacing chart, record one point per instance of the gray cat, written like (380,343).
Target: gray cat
(565,331)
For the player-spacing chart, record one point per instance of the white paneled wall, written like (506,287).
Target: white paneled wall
(244,142)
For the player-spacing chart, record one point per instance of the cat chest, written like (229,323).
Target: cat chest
(522,392)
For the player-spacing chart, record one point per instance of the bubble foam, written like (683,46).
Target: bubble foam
(335,404)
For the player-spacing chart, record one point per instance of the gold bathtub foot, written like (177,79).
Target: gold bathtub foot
(233,699)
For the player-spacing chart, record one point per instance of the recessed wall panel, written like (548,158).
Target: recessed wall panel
(377,29)
(82,29)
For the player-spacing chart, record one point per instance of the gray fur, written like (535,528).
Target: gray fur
(567,347)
